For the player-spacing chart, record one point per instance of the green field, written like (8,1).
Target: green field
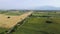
(12,13)
(36,24)
(2,30)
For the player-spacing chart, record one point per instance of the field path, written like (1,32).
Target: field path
(13,20)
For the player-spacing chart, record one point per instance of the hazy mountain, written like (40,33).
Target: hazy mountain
(46,8)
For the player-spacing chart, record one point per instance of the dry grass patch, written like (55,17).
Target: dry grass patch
(7,21)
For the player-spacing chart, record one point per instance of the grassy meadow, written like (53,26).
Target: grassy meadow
(4,15)
(37,23)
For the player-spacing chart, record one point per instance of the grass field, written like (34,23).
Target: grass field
(12,13)
(8,23)
(36,24)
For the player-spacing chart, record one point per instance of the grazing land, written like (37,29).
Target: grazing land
(10,21)
(12,13)
(39,22)
(7,21)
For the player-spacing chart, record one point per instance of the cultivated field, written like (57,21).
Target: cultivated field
(10,21)
(12,13)
(39,22)
(7,21)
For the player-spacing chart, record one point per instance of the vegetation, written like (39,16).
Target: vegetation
(35,25)
(38,23)
(12,13)
(3,30)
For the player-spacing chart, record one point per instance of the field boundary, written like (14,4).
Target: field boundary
(18,24)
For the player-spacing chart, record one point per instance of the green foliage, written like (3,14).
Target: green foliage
(12,13)
(38,25)
(2,30)
(35,25)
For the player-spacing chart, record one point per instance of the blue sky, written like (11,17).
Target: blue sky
(25,4)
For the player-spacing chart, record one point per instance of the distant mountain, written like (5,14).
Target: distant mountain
(46,8)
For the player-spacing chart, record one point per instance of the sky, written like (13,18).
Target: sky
(26,4)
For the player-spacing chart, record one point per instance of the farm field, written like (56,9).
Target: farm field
(38,25)
(12,13)
(2,30)
(10,22)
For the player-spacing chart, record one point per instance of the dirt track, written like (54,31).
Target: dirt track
(13,20)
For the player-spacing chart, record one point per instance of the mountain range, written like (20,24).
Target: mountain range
(45,8)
